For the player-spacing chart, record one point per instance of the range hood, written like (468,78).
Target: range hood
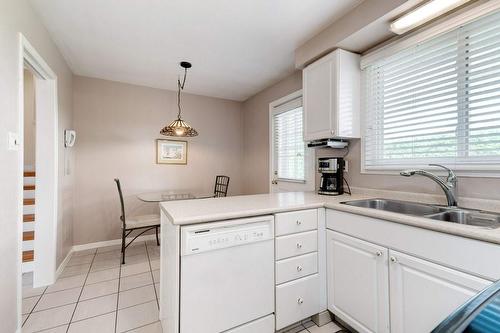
(328,143)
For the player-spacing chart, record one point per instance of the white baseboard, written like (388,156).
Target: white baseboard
(63,264)
(95,245)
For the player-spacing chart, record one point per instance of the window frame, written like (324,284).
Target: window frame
(443,26)
(309,165)
(274,112)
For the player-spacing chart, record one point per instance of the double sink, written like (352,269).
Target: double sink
(458,215)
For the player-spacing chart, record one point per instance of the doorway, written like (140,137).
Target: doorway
(38,163)
(291,162)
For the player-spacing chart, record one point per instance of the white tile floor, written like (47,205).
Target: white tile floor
(97,294)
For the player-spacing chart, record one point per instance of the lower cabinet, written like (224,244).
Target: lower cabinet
(364,278)
(297,300)
(423,293)
(358,282)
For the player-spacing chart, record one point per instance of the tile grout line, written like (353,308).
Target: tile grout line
(130,330)
(34,306)
(90,284)
(86,278)
(152,277)
(81,292)
(118,296)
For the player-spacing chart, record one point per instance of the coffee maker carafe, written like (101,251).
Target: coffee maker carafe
(332,175)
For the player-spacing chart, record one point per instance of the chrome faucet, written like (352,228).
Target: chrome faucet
(449,186)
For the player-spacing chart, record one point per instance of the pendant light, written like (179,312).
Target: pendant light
(179,127)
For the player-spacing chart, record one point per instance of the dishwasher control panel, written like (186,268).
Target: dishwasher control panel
(214,236)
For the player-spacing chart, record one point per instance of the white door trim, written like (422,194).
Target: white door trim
(309,164)
(46,193)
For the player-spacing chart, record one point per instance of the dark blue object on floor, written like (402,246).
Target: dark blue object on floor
(481,314)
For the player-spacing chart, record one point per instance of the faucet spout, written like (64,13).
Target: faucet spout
(449,186)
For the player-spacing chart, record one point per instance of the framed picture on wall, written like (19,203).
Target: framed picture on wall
(171,151)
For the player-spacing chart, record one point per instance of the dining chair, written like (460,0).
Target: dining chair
(141,223)
(221,185)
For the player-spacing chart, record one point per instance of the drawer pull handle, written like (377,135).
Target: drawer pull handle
(300,300)
(299,268)
(298,222)
(378,253)
(299,246)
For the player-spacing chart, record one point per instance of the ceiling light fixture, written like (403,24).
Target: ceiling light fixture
(179,127)
(422,14)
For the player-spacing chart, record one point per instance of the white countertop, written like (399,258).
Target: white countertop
(215,209)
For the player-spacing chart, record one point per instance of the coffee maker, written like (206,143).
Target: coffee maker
(332,175)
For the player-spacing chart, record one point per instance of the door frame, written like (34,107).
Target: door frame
(46,192)
(309,165)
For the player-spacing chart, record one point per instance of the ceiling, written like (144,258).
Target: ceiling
(237,47)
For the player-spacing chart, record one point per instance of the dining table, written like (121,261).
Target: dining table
(171,195)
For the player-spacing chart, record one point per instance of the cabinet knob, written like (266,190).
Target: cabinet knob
(299,268)
(300,300)
(378,253)
(298,222)
(393,259)
(299,246)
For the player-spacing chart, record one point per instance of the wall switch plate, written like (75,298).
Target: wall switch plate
(346,165)
(14,142)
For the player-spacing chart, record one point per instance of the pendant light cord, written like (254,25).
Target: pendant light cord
(180,87)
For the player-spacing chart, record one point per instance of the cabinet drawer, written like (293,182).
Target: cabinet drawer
(296,267)
(297,300)
(296,244)
(293,222)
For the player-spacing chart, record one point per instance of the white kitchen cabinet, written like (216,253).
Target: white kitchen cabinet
(375,288)
(300,265)
(423,294)
(297,300)
(358,282)
(331,95)
(296,244)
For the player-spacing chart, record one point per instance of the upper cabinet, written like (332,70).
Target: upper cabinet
(331,88)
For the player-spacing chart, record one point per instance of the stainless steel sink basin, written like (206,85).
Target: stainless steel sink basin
(476,218)
(479,219)
(396,206)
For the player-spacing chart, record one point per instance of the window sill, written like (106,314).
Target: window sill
(459,172)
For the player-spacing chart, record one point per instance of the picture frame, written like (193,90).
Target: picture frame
(171,151)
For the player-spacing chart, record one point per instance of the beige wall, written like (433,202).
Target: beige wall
(29,120)
(117,125)
(17,16)
(256,133)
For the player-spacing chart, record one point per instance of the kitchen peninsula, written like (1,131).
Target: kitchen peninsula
(272,260)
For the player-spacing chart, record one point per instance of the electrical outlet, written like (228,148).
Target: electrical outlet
(14,142)
(346,165)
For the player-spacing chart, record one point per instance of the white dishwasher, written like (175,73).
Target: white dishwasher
(227,276)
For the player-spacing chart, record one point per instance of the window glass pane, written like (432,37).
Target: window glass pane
(436,102)
(289,146)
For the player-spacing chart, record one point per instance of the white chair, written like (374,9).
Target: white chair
(142,223)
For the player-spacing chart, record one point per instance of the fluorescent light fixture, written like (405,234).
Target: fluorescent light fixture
(424,13)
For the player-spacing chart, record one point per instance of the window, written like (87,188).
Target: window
(289,147)
(436,102)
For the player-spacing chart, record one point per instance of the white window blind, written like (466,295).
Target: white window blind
(289,147)
(436,102)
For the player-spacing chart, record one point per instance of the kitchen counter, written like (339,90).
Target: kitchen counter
(216,209)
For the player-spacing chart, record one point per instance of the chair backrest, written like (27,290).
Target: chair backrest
(221,185)
(122,217)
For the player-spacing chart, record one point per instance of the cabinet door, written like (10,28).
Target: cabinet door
(358,282)
(423,293)
(318,81)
